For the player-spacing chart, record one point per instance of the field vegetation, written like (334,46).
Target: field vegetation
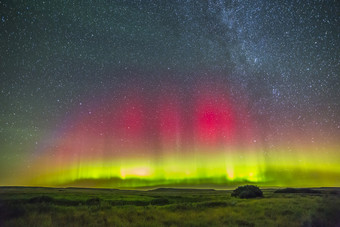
(165,207)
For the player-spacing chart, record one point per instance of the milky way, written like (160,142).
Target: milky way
(137,93)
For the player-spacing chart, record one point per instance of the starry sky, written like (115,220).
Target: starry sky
(149,93)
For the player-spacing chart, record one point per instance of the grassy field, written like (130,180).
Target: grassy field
(165,207)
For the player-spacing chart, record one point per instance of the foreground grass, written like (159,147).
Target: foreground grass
(92,207)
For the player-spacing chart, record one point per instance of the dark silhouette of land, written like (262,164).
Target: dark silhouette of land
(43,206)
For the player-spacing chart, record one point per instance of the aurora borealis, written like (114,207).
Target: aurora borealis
(128,94)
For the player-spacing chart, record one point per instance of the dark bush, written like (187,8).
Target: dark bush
(159,201)
(333,192)
(247,191)
(93,201)
(129,202)
(41,199)
(66,202)
(244,223)
(297,190)
(8,211)
(139,203)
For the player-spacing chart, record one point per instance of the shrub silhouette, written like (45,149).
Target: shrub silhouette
(247,191)
(93,201)
(129,202)
(41,199)
(159,201)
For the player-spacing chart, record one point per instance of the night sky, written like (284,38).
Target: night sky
(146,93)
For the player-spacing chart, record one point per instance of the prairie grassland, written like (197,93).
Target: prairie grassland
(167,207)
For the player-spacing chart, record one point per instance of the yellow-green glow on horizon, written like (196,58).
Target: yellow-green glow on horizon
(279,169)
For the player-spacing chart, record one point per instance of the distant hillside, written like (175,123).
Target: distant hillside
(181,190)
